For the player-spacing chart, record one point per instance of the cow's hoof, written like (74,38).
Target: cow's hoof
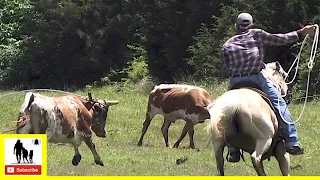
(99,163)
(76,159)
(176,145)
(139,143)
(168,145)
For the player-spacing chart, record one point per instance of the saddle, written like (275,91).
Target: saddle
(254,87)
(278,138)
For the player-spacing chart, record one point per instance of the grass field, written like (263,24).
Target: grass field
(122,156)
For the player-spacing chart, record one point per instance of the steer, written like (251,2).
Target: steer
(65,119)
(177,101)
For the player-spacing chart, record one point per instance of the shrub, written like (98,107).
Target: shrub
(138,67)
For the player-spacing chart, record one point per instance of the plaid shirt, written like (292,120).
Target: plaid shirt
(244,53)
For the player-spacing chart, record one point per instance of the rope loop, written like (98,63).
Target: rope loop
(310,64)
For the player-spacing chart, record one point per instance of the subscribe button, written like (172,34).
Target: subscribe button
(23,170)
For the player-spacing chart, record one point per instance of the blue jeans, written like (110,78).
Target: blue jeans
(289,130)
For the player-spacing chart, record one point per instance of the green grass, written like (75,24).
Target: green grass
(122,156)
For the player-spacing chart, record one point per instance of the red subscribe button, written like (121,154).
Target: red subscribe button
(22,169)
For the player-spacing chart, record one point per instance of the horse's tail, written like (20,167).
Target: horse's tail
(221,113)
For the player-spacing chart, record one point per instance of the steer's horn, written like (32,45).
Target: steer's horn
(112,102)
(90,97)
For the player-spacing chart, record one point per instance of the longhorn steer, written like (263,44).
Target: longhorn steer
(65,119)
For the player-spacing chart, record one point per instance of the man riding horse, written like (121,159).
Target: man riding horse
(243,55)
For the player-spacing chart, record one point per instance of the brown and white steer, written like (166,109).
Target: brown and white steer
(65,119)
(177,101)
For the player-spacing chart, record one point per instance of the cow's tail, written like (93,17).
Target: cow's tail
(31,99)
(221,113)
(24,113)
(28,100)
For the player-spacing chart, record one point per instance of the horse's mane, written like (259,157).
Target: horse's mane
(276,76)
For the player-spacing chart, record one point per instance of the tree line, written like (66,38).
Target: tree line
(73,43)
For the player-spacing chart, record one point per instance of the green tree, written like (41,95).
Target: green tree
(170,26)
(12,14)
(73,43)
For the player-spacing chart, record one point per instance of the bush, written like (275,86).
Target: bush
(138,67)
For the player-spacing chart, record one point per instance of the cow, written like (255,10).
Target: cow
(177,101)
(65,119)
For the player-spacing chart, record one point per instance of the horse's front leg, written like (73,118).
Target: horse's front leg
(218,147)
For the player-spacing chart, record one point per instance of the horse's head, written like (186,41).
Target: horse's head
(277,76)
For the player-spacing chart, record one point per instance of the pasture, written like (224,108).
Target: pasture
(122,156)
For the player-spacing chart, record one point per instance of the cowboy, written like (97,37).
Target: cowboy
(18,150)
(243,56)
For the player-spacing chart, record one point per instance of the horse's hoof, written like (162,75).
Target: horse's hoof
(76,159)
(99,162)
(175,145)
(139,143)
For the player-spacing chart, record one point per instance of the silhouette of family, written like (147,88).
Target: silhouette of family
(19,150)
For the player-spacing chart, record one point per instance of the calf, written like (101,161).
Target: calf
(175,101)
(65,119)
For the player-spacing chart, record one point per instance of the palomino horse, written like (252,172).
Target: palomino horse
(243,119)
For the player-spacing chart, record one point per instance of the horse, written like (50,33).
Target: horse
(244,118)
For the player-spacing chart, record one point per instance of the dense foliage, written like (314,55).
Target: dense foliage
(74,43)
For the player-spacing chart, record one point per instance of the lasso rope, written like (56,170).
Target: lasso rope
(309,65)
(34,90)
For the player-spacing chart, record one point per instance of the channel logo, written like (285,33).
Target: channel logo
(23,156)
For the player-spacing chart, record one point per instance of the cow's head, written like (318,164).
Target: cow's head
(100,114)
